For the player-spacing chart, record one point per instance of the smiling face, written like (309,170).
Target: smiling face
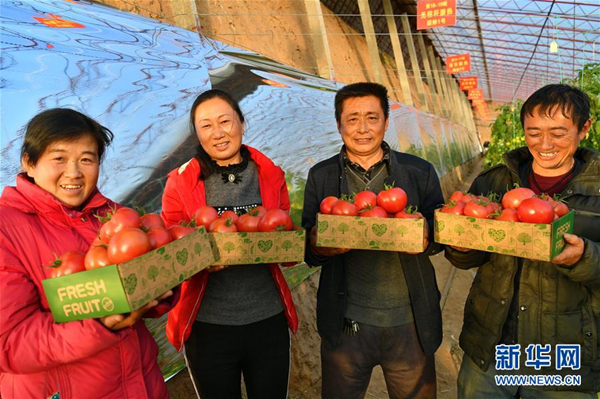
(362,126)
(552,141)
(67,169)
(219,130)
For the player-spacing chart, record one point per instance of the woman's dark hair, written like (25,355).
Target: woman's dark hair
(572,102)
(61,124)
(207,165)
(362,89)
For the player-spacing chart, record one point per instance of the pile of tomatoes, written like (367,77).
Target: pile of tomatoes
(518,205)
(389,203)
(258,219)
(124,235)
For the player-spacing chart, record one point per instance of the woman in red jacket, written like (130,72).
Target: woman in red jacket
(241,326)
(51,211)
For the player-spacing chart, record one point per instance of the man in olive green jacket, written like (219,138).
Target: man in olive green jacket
(516,301)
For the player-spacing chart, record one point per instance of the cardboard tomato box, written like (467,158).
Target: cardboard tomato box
(253,248)
(379,234)
(525,240)
(127,286)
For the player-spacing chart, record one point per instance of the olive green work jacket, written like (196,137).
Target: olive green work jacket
(556,305)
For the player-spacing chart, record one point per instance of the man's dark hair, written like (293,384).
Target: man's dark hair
(207,167)
(362,89)
(61,124)
(572,102)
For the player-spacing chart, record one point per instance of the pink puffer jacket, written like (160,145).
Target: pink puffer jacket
(40,358)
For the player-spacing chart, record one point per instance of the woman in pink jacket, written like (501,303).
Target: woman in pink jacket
(50,211)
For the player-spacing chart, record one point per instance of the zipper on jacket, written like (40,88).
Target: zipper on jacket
(194,313)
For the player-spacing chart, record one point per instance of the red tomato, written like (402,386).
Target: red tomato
(456,208)
(375,212)
(97,242)
(536,210)
(513,198)
(158,236)
(96,257)
(478,209)
(276,220)
(408,215)
(457,196)
(68,263)
(508,215)
(259,211)
(248,222)
(561,208)
(392,200)
(327,204)
(230,214)
(150,220)
(344,208)
(125,217)
(495,206)
(107,231)
(205,215)
(177,231)
(223,225)
(365,200)
(127,244)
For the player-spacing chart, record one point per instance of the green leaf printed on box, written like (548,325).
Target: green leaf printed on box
(439,225)
(379,229)
(197,248)
(152,273)
(130,283)
(402,230)
(182,257)
(160,250)
(524,238)
(286,245)
(322,226)
(459,229)
(343,228)
(229,246)
(497,235)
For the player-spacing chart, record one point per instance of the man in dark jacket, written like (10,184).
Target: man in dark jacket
(374,307)
(516,301)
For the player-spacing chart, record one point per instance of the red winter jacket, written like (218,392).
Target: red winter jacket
(184,193)
(38,357)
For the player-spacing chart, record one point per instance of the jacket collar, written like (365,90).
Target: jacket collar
(30,198)
(589,159)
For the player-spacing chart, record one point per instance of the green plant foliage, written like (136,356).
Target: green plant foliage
(588,80)
(507,132)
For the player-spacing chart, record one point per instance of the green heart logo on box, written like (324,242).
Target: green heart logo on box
(322,226)
(130,283)
(497,235)
(182,257)
(379,229)
(265,245)
(439,225)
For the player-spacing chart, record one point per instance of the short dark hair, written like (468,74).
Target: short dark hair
(572,102)
(206,165)
(362,89)
(61,124)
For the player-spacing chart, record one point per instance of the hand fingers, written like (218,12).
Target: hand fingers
(213,269)
(112,320)
(165,295)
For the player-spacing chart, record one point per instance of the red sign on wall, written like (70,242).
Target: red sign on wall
(475,94)
(468,82)
(458,63)
(434,13)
